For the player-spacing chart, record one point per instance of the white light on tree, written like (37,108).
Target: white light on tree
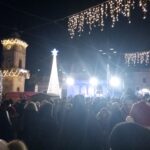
(93,81)
(115,82)
(70,81)
(53,87)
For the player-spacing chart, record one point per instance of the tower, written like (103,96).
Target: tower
(14,72)
(53,87)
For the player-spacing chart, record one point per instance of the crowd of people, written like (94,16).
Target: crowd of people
(77,123)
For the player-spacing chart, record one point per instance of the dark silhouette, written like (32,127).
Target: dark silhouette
(130,136)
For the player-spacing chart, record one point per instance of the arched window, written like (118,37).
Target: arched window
(18,89)
(20,63)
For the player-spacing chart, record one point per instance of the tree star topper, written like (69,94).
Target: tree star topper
(54,52)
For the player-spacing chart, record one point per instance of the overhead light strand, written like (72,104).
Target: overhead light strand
(95,16)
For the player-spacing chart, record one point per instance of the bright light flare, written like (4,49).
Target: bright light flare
(115,81)
(144,91)
(70,81)
(93,81)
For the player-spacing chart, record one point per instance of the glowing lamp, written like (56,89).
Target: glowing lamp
(93,81)
(70,81)
(115,82)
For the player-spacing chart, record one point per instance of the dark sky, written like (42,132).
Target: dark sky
(34,20)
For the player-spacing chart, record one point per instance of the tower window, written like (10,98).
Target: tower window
(20,63)
(18,89)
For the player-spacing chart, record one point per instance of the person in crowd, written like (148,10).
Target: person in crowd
(29,125)
(17,119)
(130,136)
(103,118)
(6,128)
(3,145)
(115,115)
(140,113)
(77,124)
(47,128)
(38,104)
(81,130)
(17,145)
(97,104)
(128,101)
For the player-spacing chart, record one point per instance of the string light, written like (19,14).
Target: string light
(95,16)
(9,43)
(137,58)
(143,6)
(16,73)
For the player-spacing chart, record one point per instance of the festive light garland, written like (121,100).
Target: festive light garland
(16,73)
(137,58)
(95,16)
(9,43)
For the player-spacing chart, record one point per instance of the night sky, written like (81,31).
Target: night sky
(42,25)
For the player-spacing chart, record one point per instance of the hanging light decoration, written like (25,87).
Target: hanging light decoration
(143,6)
(9,43)
(137,58)
(96,15)
(16,73)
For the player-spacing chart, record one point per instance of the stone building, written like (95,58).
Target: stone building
(14,72)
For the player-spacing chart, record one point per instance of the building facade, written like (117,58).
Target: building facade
(14,72)
(138,79)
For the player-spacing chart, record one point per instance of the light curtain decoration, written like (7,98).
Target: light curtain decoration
(16,73)
(95,16)
(137,58)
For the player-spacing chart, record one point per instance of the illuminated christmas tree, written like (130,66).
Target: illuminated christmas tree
(53,87)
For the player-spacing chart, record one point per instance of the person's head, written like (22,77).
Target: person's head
(38,104)
(31,107)
(115,106)
(3,145)
(43,102)
(146,97)
(17,145)
(129,101)
(129,136)
(46,109)
(78,101)
(103,114)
